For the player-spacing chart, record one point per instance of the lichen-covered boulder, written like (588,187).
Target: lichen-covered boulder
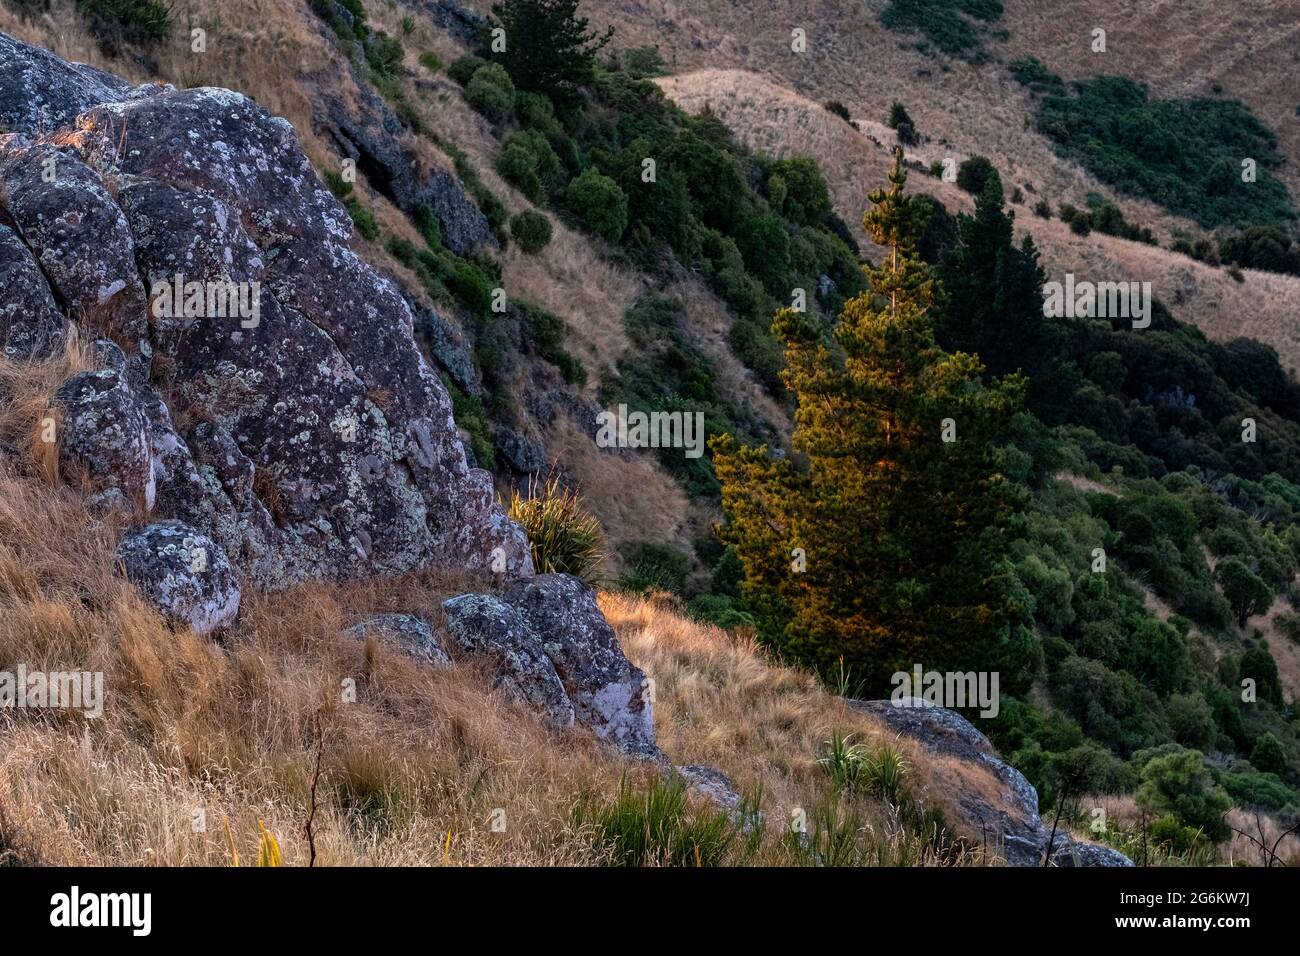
(412,634)
(31,325)
(182,573)
(40,92)
(65,215)
(1005,818)
(609,694)
(1067,852)
(104,432)
(486,626)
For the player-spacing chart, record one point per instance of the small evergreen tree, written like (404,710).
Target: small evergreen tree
(548,47)
(883,544)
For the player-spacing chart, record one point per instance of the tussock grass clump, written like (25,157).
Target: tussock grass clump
(656,826)
(564,538)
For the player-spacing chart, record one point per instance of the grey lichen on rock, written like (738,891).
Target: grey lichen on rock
(183,574)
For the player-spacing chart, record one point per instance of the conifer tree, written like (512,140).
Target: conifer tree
(879,543)
(548,48)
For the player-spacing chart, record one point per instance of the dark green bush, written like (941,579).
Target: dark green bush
(599,204)
(462,70)
(974,173)
(531,230)
(491,92)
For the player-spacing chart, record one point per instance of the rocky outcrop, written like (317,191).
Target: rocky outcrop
(486,626)
(408,632)
(183,574)
(31,325)
(552,648)
(1006,820)
(104,430)
(189,227)
(39,92)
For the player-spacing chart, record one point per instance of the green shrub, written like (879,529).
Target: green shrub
(429,60)
(362,218)
(528,162)
(1178,783)
(114,22)
(902,124)
(1184,154)
(563,537)
(657,567)
(839,109)
(973,173)
(462,70)
(656,827)
(944,23)
(720,610)
(491,92)
(532,230)
(469,414)
(384,53)
(599,202)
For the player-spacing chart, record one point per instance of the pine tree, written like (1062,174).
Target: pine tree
(548,48)
(993,305)
(880,543)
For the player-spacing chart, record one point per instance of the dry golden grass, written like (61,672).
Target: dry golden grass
(414,768)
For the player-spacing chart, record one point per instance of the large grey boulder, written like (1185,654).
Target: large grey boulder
(1075,853)
(183,574)
(31,325)
(550,625)
(486,626)
(316,442)
(104,432)
(1007,821)
(609,693)
(40,93)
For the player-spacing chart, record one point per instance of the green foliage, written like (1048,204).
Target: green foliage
(563,537)
(1184,154)
(1248,593)
(656,567)
(528,162)
(491,92)
(545,334)
(858,768)
(1032,73)
(1176,781)
(1261,247)
(115,22)
(463,68)
(531,231)
(599,203)
(548,46)
(469,414)
(974,173)
(362,218)
(1268,755)
(948,24)
(429,60)
(657,826)
(911,565)
(807,201)
(1104,217)
(719,610)
(902,124)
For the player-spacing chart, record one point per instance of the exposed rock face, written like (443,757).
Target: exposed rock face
(40,92)
(487,626)
(1012,823)
(609,694)
(105,431)
(1070,853)
(368,132)
(183,573)
(31,325)
(322,443)
(552,648)
(412,634)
